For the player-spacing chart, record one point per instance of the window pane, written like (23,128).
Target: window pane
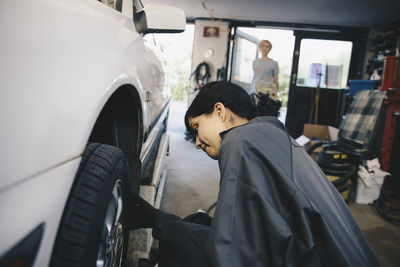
(245,55)
(324,62)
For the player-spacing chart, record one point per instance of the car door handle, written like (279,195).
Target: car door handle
(149,96)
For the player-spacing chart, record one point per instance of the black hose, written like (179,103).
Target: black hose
(332,172)
(335,167)
(343,187)
(200,79)
(345,177)
(314,146)
(211,207)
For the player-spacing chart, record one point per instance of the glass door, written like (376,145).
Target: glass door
(245,51)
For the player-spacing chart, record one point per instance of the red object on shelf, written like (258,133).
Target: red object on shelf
(392,115)
(391,84)
(391,73)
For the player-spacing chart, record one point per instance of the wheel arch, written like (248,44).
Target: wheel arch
(120,124)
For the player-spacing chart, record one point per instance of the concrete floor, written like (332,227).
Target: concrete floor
(192,177)
(193,183)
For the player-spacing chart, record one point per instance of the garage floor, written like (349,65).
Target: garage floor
(193,182)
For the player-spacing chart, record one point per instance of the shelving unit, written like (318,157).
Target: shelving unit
(382,43)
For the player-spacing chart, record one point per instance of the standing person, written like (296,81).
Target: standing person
(275,206)
(265,79)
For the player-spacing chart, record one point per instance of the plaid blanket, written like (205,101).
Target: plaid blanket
(361,118)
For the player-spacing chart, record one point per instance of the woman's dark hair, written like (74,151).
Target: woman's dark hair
(233,97)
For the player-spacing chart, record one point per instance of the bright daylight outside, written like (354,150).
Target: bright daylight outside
(177,57)
(282,52)
(324,63)
(177,54)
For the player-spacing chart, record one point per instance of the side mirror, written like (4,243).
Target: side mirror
(155,18)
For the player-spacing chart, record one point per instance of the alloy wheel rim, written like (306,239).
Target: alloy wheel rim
(111,244)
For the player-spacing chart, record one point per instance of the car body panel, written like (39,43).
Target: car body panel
(37,208)
(39,44)
(61,61)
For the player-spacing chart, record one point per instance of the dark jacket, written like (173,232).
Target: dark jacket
(277,208)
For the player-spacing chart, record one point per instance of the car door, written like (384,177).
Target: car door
(156,93)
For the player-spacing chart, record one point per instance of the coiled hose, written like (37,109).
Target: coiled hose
(344,175)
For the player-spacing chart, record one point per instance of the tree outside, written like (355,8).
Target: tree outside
(177,53)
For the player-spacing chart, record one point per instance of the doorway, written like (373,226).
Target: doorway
(323,62)
(245,51)
(315,64)
(320,72)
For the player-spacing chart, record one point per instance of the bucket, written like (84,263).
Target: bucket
(359,85)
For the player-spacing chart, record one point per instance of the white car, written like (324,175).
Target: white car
(82,104)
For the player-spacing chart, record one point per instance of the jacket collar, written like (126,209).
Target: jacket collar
(262,119)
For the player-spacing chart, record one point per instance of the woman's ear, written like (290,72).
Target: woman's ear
(220,110)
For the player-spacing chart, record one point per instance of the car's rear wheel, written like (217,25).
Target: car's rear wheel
(93,230)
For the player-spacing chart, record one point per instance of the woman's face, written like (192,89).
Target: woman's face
(265,47)
(207,128)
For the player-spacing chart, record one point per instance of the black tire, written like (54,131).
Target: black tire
(94,227)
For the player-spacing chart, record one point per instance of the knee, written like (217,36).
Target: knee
(171,231)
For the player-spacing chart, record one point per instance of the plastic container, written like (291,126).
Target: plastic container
(359,85)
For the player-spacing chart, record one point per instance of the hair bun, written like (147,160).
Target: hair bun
(267,106)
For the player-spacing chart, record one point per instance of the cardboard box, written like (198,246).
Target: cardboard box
(314,133)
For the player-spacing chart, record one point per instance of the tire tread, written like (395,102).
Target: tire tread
(96,165)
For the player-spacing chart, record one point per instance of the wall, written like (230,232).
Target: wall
(218,44)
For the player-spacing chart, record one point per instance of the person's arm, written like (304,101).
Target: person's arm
(276,72)
(276,80)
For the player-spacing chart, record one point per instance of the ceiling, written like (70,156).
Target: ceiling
(354,13)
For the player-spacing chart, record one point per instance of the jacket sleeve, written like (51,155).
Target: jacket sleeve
(247,230)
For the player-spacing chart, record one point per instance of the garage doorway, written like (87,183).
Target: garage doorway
(245,51)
